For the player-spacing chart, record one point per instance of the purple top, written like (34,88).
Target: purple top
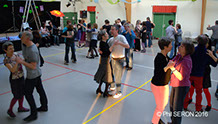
(184,66)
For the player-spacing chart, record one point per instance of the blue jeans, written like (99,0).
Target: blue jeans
(172,50)
(67,49)
(129,57)
(56,39)
(117,67)
(148,33)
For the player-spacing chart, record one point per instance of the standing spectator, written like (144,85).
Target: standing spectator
(160,80)
(33,78)
(170,33)
(149,26)
(130,37)
(199,61)
(138,36)
(178,37)
(144,35)
(16,78)
(104,73)
(181,67)
(214,36)
(117,45)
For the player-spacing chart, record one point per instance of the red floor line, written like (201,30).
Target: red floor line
(5,93)
(135,87)
(68,68)
(57,76)
(121,83)
(43,80)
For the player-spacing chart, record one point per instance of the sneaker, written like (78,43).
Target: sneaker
(23,109)
(117,95)
(208,108)
(11,113)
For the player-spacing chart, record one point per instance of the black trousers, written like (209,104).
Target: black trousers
(177,97)
(137,44)
(68,45)
(30,84)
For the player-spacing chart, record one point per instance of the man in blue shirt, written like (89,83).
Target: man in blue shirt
(170,33)
(130,37)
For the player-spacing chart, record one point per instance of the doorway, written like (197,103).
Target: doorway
(161,23)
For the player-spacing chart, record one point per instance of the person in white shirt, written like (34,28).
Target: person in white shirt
(117,44)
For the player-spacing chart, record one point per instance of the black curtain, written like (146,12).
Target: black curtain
(6,17)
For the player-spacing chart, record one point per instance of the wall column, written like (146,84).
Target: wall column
(204,2)
(128,8)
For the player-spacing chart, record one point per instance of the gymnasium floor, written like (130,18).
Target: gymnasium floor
(71,93)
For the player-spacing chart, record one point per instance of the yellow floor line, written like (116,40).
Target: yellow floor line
(116,102)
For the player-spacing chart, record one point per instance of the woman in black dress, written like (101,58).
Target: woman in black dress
(104,73)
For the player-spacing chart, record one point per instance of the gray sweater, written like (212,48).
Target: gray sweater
(215,31)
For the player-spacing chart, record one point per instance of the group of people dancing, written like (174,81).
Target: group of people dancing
(187,70)
(21,87)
